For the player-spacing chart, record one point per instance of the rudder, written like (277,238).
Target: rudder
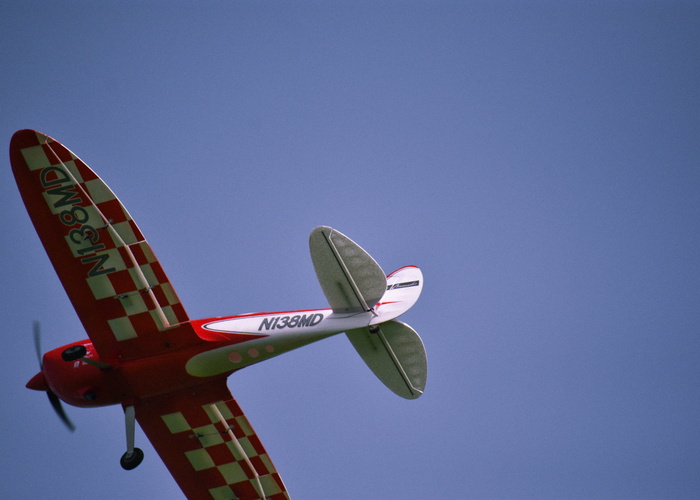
(403,288)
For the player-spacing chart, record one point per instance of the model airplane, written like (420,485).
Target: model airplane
(169,372)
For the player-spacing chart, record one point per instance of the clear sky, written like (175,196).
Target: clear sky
(540,161)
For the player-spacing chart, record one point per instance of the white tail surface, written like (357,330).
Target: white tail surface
(353,283)
(395,353)
(350,278)
(403,287)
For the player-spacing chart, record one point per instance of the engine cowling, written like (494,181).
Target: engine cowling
(77,382)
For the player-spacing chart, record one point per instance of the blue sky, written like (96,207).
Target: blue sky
(538,160)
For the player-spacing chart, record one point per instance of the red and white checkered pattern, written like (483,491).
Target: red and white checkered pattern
(207,458)
(130,310)
(109,271)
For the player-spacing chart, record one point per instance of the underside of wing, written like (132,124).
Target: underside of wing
(117,286)
(208,445)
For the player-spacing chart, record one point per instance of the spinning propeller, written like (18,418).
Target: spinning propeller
(133,456)
(39,381)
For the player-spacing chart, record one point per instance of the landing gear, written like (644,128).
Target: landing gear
(133,456)
(131,460)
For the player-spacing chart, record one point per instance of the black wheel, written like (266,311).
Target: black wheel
(74,352)
(131,461)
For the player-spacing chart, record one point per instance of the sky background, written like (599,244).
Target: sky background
(540,161)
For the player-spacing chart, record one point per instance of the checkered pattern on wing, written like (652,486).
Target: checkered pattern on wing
(135,296)
(216,458)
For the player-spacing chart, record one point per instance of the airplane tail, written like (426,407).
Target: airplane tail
(353,283)
(395,354)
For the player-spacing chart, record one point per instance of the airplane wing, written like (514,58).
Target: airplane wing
(117,286)
(208,446)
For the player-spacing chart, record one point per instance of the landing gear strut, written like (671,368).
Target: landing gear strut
(133,456)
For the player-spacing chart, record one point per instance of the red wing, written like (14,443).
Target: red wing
(208,445)
(112,277)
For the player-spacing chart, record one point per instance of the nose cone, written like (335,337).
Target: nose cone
(38,383)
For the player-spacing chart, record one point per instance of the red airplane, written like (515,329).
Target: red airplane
(169,372)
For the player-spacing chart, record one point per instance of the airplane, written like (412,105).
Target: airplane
(169,372)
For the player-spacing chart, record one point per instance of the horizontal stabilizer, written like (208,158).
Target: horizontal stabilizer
(350,278)
(395,353)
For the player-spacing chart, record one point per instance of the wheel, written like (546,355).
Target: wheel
(74,352)
(131,460)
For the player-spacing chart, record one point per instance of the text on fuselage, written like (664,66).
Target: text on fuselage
(296,321)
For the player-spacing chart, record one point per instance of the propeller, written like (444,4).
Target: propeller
(53,398)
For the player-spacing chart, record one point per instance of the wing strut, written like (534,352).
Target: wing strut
(239,448)
(108,224)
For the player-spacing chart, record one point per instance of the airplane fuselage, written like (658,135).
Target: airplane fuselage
(227,344)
